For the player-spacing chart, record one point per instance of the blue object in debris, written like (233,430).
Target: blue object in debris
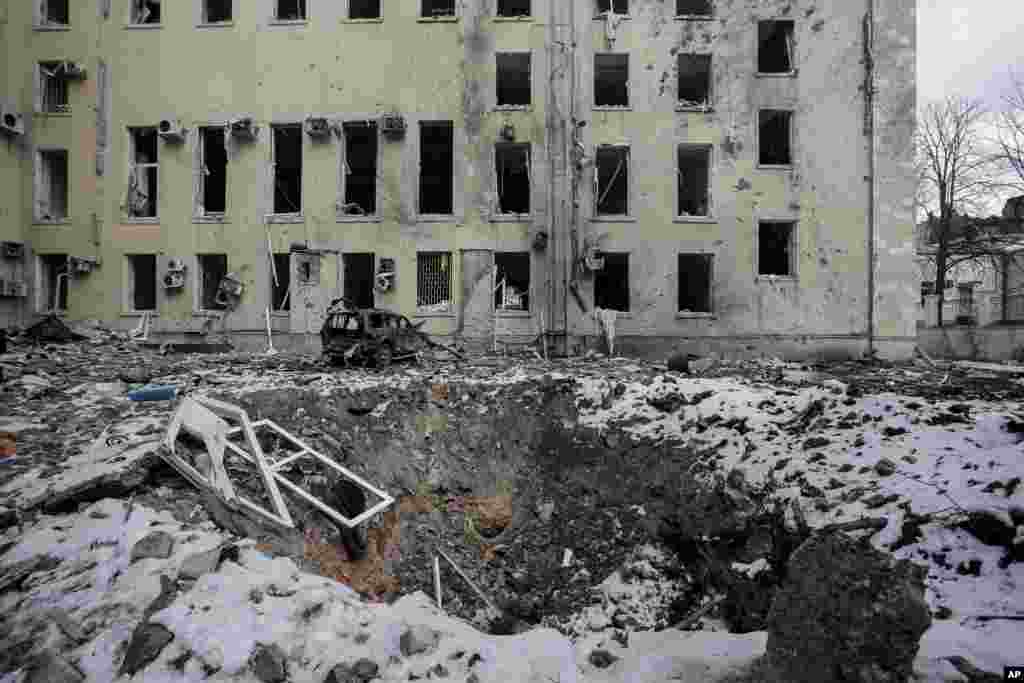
(154,393)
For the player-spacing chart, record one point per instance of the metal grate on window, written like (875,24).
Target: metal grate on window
(434,281)
(54,89)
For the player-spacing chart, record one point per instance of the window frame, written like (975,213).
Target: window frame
(710,313)
(363,20)
(629,71)
(529,78)
(42,288)
(791,132)
(291,216)
(793,249)
(197,306)
(453,17)
(133,166)
(273,261)
(697,17)
(595,207)
(628,283)
(496,215)
(199,211)
(426,310)
(600,13)
(131,20)
(130,284)
(40,18)
(709,103)
(791,47)
(455,195)
(710,216)
(42,80)
(276,20)
(377,215)
(513,17)
(41,177)
(204,18)
(514,312)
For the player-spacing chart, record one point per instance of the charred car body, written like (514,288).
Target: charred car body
(368,336)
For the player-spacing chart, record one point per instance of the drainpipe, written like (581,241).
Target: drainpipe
(869,132)
(570,165)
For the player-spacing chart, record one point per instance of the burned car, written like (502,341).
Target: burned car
(368,336)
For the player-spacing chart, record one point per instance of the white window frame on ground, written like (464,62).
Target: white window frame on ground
(437,283)
(131,283)
(44,289)
(54,90)
(139,179)
(792,249)
(44,205)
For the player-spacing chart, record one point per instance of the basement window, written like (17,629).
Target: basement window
(290,10)
(611,187)
(512,170)
(434,281)
(213,172)
(360,169)
(694,80)
(287,142)
(364,9)
(216,11)
(513,79)
(695,283)
(611,80)
(437,167)
(53,280)
(53,88)
(145,12)
(775,47)
(52,185)
(617,6)
(775,248)
(358,281)
(212,269)
(774,133)
(513,8)
(142,282)
(54,13)
(437,8)
(512,283)
(143,186)
(693,8)
(611,282)
(280,286)
(692,180)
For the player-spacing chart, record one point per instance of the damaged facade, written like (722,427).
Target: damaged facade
(726,177)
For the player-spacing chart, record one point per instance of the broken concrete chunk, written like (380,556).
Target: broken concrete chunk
(602,659)
(417,639)
(148,641)
(197,564)
(269,664)
(885,467)
(51,668)
(156,545)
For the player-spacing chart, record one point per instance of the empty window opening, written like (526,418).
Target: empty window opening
(438,8)
(142,179)
(513,82)
(216,11)
(52,185)
(437,167)
(145,11)
(360,169)
(434,280)
(618,6)
(512,282)
(53,88)
(694,79)
(694,283)
(512,169)
(774,132)
(55,13)
(775,47)
(287,168)
(693,8)
(364,9)
(290,10)
(611,282)
(213,171)
(54,281)
(612,175)
(692,181)
(281,283)
(359,278)
(212,269)
(611,80)
(142,282)
(775,247)
(513,8)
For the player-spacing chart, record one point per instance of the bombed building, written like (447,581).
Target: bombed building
(722,174)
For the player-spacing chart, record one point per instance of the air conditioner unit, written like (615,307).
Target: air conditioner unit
(171,130)
(81,265)
(20,289)
(14,250)
(592,261)
(12,123)
(75,70)
(243,128)
(175,265)
(174,279)
(393,125)
(318,127)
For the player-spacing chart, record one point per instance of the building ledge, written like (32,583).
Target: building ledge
(141,221)
(216,24)
(695,108)
(42,223)
(613,219)
(776,278)
(774,167)
(429,314)
(210,219)
(523,19)
(781,74)
(436,218)
(143,27)
(285,218)
(138,314)
(374,20)
(53,114)
(695,219)
(51,27)
(513,107)
(689,315)
(510,218)
(358,219)
(609,107)
(288,22)
(694,17)
(437,20)
(519,315)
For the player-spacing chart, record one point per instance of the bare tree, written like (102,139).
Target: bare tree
(1010,135)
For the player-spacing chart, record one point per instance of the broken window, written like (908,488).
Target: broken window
(437,167)
(54,13)
(693,8)
(360,169)
(775,247)
(142,176)
(438,8)
(694,80)
(212,269)
(513,8)
(52,185)
(618,6)
(512,283)
(53,88)
(280,283)
(611,170)
(611,282)
(213,171)
(145,11)
(53,279)
(512,169)
(216,11)
(290,10)
(358,284)
(692,177)
(513,80)
(287,141)
(142,282)
(775,47)
(774,137)
(694,283)
(611,80)
(364,9)
(434,280)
